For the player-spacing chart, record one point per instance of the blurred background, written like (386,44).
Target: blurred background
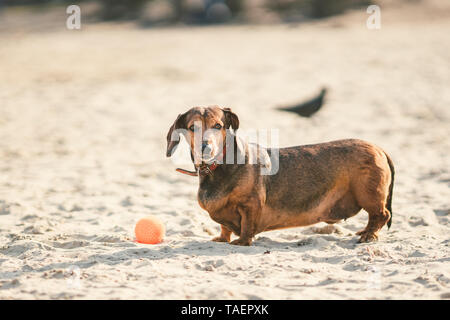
(135,62)
(167,12)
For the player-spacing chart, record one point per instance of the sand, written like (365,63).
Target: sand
(83,120)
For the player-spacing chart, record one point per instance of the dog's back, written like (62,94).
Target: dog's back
(328,182)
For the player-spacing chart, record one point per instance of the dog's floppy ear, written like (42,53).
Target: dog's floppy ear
(231,119)
(172,142)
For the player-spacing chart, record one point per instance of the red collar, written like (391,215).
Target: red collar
(204,169)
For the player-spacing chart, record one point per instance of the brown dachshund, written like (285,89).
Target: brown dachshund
(312,183)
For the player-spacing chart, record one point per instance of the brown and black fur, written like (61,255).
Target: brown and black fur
(324,182)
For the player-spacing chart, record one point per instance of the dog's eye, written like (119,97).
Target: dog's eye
(217,126)
(192,128)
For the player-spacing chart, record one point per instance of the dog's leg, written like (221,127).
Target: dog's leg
(373,196)
(225,235)
(247,233)
(377,219)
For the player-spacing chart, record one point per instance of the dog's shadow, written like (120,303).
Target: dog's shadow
(195,248)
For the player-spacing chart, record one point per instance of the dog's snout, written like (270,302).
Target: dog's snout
(206,148)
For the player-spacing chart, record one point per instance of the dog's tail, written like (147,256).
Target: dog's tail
(391,189)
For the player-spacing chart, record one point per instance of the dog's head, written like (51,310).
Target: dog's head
(205,129)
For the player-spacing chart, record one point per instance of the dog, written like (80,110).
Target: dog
(324,182)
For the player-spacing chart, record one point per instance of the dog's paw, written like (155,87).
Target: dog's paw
(241,242)
(368,237)
(220,239)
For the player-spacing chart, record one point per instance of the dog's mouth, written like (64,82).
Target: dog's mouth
(212,157)
(206,166)
(208,157)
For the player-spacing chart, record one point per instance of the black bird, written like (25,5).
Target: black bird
(308,108)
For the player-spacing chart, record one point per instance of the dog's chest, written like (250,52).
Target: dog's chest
(211,199)
(216,201)
(221,210)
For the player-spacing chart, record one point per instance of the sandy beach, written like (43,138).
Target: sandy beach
(83,123)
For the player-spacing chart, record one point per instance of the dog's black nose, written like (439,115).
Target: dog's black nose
(206,148)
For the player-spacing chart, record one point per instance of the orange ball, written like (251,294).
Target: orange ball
(149,230)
